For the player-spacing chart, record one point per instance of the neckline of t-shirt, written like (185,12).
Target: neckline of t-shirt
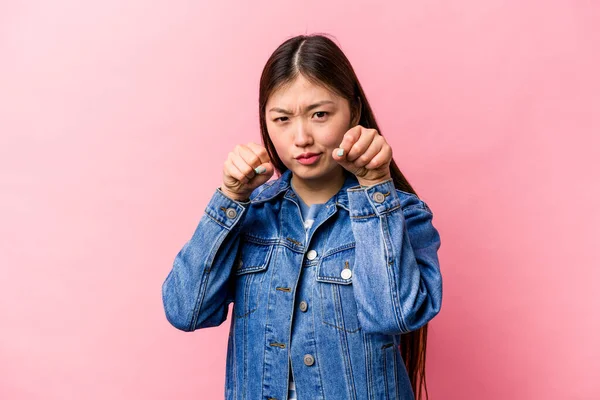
(314,205)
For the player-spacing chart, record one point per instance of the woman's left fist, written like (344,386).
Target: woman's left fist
(366,154)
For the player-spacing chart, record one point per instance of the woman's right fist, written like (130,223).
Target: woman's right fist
(246,168)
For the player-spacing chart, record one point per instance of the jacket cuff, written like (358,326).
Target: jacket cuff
(224,210)
(373,200)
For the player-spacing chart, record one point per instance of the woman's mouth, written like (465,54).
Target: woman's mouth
(309,160)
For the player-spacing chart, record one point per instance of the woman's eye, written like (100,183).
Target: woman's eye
(321,112)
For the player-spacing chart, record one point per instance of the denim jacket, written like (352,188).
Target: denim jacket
(332,299)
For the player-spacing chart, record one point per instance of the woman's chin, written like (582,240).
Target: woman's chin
(313,172)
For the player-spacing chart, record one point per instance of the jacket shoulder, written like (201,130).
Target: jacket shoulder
(409,201)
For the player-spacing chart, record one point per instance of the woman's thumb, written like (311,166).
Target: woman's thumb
(264,172)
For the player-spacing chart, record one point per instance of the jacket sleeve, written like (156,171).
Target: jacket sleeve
(196,292)
(397,280)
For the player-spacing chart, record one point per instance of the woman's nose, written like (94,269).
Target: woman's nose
(303,134)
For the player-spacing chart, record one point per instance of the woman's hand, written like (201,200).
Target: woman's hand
(246,168)
(366,154)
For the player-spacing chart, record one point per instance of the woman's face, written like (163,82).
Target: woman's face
(306,118)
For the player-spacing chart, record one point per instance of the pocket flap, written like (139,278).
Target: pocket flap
(252,257)
(331,266)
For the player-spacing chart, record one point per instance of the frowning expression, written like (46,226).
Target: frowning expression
(306,122)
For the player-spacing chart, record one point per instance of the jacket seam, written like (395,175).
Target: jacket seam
(347,360)
(218,222)
(205,274)
(391,274)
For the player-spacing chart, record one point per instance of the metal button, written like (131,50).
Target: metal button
(311,255)
(378,197)
(309,360)
(346,273)
(231,213)
(303,306)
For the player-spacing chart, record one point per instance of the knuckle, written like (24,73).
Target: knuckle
(363,159)
(247,170)
(254,160)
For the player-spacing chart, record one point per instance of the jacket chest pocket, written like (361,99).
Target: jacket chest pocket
(249,272)
(334,274)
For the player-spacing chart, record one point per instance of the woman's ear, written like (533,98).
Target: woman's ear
(356,112)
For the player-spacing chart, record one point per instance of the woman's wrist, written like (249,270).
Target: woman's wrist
(366,183)
(234,196)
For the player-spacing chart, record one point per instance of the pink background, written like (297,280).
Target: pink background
(116,118)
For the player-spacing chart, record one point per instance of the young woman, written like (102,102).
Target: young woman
(333,266)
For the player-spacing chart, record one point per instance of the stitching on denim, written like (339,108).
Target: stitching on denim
(259,240)
(391,274)
(245,357)
(397,395)
(268,198)
(250,273)
(201,293)
(294,241)
(420,206)
(333,279)
(218,222)
(385,379)
(346,246)
(346,351)
(318,369)
(245,269)
(267,186)
(324,306)
(235,384)
(248,293)
(368,364)
(343,329)
(362,216)
(267,314)
(392,209)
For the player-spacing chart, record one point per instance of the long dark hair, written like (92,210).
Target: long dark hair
(321,61)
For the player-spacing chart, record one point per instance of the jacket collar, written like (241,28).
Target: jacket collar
(282,186)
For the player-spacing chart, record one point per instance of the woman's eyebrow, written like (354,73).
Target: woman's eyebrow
(308,108)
